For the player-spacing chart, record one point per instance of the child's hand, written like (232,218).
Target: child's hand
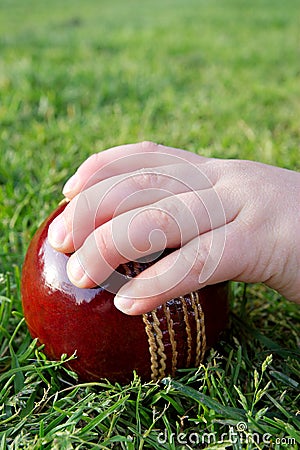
(227,220)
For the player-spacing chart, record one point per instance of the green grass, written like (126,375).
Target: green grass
(219,78)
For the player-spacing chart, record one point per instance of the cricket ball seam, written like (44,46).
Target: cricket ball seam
(154,331)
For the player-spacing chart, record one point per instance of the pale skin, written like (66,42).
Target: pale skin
(226,219)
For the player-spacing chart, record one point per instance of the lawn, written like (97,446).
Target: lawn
(213,77)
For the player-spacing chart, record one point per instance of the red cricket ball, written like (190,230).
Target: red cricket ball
(108,343)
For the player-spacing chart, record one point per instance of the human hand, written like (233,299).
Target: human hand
(226,220)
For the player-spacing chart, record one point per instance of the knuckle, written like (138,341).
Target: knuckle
(187,261)
(158,218)
(145,178)
(149,146)
(196,259)
(172,214)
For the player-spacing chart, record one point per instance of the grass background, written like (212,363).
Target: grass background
(220,78)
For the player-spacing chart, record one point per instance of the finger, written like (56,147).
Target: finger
(114,196)
(209,259)
(169,223)
(122,159)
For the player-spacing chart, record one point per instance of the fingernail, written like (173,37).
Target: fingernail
(75,270)
(124,304)
(70,185)
(57,232)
